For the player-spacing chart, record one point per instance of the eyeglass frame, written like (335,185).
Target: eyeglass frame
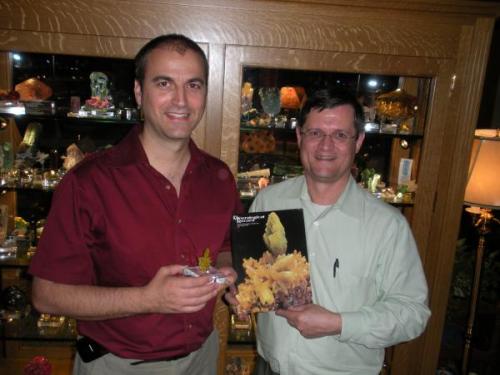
(322,135)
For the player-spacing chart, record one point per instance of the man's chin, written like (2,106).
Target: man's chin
(323,177)
(180,133)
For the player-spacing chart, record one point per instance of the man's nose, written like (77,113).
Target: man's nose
(328,140)
(180,96)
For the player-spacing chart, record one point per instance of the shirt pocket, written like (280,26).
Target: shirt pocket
(351,292)
(209,230)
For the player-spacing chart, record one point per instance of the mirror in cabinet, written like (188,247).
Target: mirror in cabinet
(394,114)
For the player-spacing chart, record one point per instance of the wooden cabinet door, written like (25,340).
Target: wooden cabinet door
(434,123)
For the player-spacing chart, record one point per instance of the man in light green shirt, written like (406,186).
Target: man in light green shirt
(369,288)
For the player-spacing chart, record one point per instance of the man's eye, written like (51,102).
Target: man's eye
(195,85)
(163,84)
(341,135)
(315,133)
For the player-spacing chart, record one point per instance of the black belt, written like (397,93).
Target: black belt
(173,358)
(90,350)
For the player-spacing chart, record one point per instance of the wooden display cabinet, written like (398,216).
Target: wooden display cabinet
(445,43)
(241,350)
(240,360)
(22,338)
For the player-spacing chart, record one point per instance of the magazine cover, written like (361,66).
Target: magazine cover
(270,257)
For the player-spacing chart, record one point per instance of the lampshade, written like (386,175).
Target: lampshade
(483,185)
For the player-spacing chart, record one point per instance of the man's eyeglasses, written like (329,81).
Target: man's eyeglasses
(317,135)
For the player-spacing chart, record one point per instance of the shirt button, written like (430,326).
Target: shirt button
(167,187)
(179,221)
(190,326)
(316,223)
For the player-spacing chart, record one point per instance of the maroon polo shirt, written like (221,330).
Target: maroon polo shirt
(114,221)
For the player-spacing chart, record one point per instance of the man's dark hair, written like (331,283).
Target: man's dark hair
(329,98)
(177,42)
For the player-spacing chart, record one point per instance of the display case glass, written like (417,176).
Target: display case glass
(62,101)
(394,114)
(59,109)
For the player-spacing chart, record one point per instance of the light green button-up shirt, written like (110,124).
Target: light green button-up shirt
(364,264)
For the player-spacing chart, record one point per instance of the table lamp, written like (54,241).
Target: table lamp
(482,195)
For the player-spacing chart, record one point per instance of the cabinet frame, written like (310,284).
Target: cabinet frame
(431,153)
(453,39)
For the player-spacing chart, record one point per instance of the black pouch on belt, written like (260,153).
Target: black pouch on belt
(89,350)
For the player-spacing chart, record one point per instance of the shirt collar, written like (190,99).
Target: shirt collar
(130,151)
(349,202)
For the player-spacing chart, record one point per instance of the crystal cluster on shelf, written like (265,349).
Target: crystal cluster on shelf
(279,106)
(100,104)
(38,365)
(48,320)
(396,110)
(372,181)
(13,303)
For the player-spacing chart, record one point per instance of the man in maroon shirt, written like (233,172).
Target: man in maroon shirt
(125,222)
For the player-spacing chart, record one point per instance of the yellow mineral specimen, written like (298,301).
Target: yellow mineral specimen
(274,235)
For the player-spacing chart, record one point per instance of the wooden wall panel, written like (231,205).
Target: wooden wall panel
(69,44)
(5,72)
(317,27)
(213,127)
(10,133)
(462,116)
(441,39)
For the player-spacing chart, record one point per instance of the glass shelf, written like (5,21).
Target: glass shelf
(76,119)
(394,135)
(26,189)
(22,117)
(15,263)
(58,131)
(26,328)
(274,129)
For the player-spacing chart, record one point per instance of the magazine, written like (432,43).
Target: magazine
(270,257)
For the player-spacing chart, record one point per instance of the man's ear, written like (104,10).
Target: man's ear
(298,134)
(359,141)
(138,93)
